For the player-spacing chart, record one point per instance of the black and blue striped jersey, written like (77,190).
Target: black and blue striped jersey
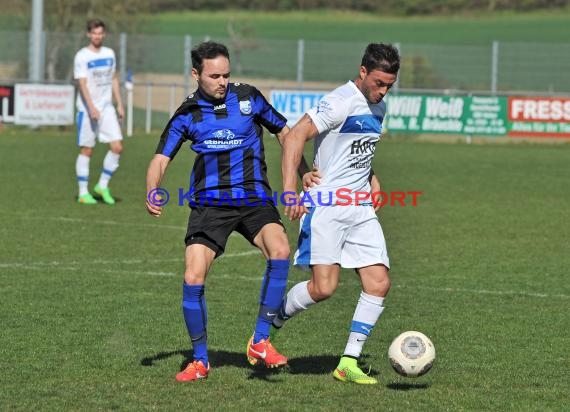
(227,136)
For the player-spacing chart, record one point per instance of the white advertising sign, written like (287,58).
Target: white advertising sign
(42,104)
(293,104)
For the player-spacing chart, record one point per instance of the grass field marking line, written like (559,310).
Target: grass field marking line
(252,278)
(139,272)
(37,265)
(238,254)
(489,292)
(101,222)
(99,270)
(113,222)
(109,222)
(172,274)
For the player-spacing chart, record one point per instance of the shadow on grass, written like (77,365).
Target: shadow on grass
(99,198)
(310,365)
(398,386)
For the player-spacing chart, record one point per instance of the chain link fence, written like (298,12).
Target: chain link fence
(494,68)
(160,66)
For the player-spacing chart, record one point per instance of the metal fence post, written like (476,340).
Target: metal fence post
(187,62)
(148,108)
(37,56)
(123,65)
(172,99)
(300,61)
(36,65)
(494,66)
(397,84)
(123,57)
(129,88)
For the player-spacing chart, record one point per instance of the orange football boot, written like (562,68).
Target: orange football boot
(194,371)
(266,352)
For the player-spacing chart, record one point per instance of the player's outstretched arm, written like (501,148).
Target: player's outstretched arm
(154,175)
(293,145)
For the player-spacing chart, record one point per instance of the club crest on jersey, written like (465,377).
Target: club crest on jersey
(223,134)
(324,106)
(245,107)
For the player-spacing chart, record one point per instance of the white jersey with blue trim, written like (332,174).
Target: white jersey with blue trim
(349,127)
(98,68)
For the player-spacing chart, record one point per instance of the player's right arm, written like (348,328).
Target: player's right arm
(154,175)
(171,139)
(330,113)
(293,145)
(80,75)
(93,112)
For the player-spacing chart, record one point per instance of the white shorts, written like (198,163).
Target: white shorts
(107,129)
(350,236)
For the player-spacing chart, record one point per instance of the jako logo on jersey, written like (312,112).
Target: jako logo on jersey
(220,107)
(359,147)
(225,134)
(245,107)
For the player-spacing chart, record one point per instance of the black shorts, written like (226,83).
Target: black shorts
(212,225)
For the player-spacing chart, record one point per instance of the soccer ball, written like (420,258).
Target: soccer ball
(411,354)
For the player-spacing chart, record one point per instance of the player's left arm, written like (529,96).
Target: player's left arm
(154,175)
(117,96)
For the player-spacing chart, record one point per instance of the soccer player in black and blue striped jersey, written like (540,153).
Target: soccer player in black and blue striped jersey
(229,191)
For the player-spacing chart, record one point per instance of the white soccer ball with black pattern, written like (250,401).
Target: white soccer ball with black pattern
(411,354)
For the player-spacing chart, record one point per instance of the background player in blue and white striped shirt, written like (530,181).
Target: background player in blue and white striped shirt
(346,124)
(94,71)
(229,191)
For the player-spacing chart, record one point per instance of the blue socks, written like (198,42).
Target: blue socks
(196,318)
(272,290)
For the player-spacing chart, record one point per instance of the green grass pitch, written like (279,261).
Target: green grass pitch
(91,316)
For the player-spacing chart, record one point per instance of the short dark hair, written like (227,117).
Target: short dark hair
(95,23)
(383,57)
(207,50)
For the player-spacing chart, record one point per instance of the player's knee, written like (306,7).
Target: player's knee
(322,291)
(191,278)
(117,149)
(381,287)
(86,151)
(385,285)
(282,252)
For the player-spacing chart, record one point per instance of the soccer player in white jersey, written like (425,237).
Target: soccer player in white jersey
(94,72)
(346,124)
